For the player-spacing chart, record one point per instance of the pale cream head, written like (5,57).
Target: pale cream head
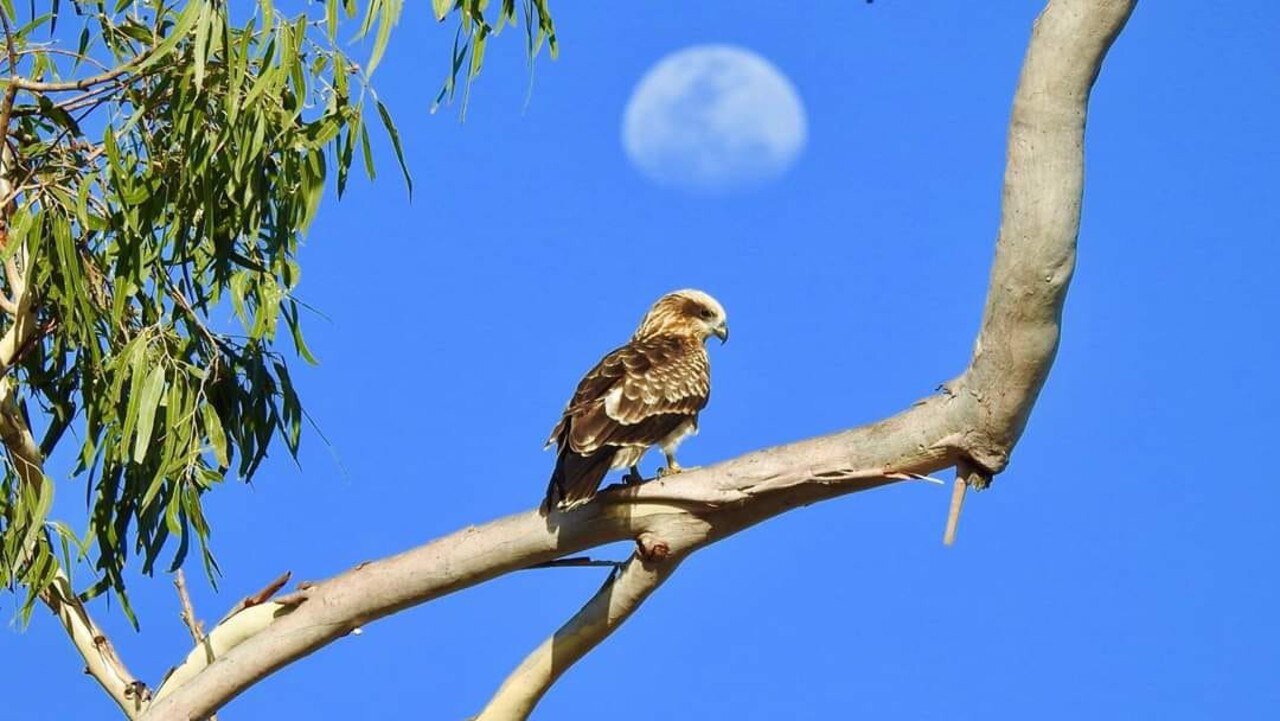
(686,312)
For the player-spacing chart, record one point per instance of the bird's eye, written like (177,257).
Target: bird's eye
(707,313)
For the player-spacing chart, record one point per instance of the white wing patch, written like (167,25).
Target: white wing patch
(611,401)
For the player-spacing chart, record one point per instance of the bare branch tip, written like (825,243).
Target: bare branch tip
(953,513)
(188,613)
(294,598)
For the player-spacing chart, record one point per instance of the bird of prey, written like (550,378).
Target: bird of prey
(646,393)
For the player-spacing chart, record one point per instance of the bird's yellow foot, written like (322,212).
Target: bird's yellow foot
(674,468)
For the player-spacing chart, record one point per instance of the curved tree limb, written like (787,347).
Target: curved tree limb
(613,604)
(977,421)
(1035,257)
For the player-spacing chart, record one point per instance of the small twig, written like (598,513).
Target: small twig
(17,83)
(249,617)
(48,50)
(270,589)
(953,514)
(100,94)
(908,476)
(968,474)
(293,598)
(29,340)
(189,618)
(188,611)
(261,596)
(185,305)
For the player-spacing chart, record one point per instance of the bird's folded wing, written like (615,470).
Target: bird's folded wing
(638,394)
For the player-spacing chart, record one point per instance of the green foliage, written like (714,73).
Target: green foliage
(163,170)
(161,161)
(474,31)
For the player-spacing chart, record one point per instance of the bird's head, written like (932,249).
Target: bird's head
(686,312)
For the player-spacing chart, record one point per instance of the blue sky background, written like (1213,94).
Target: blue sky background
(1124,565)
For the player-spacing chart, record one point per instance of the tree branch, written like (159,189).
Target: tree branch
(978,420)
(11,90)
(967,476)
(101,661)
(190,620)
(18,83)
(245,619)
(188,613)
(613,604)
(953,513)
(22,323)
(100,658)
(50,50)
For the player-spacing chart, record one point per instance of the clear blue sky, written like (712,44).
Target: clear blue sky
(1122,568)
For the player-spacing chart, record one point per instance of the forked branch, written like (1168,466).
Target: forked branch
(976,422)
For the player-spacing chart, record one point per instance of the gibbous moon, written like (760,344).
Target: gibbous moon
(713,118)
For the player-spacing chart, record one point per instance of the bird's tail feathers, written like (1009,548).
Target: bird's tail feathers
(576,478)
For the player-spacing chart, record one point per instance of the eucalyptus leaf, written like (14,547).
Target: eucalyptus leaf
(148,404)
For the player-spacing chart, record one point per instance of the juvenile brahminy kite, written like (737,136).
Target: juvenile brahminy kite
(646,393)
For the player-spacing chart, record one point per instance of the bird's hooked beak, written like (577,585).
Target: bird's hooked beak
(722,332)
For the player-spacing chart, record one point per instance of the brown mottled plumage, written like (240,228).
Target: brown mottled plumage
(646,393)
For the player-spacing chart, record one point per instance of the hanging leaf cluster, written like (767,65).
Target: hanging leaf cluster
(161,162)
(472,38)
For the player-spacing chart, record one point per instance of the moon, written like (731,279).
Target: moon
(714,118)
